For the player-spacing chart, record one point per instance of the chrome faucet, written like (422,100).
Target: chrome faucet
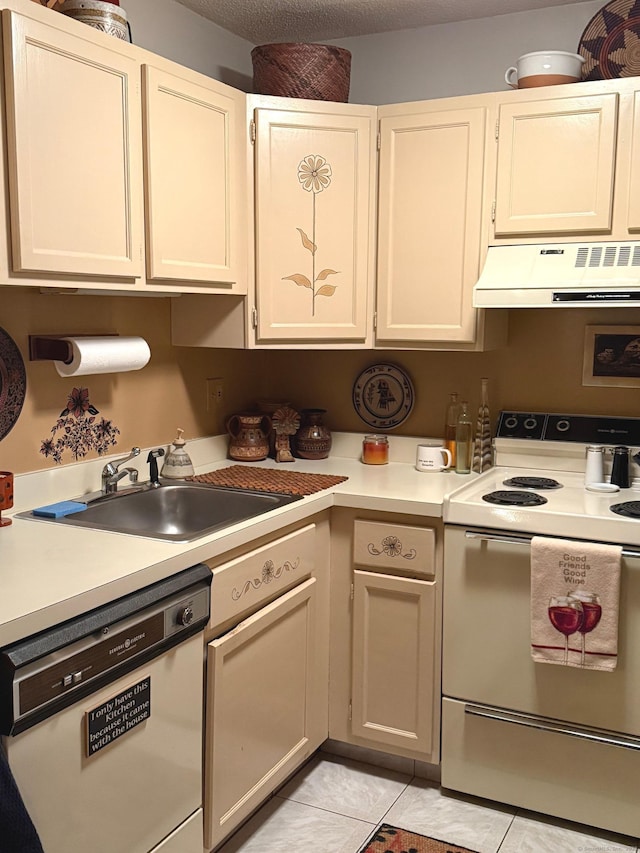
(111,473)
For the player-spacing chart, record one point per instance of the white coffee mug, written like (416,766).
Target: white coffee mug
(433,457)
(544,68)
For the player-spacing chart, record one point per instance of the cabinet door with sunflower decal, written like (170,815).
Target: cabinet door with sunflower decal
(315,194)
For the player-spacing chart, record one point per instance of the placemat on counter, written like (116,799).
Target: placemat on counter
(268,480)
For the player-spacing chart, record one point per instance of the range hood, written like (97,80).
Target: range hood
(560,275)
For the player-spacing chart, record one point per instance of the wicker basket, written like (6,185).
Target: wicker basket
(317,71)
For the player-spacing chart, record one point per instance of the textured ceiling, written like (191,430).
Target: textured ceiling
(264,21)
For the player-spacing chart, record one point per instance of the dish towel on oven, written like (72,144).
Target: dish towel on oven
(575,590)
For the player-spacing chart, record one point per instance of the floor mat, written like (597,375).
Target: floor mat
(392,839)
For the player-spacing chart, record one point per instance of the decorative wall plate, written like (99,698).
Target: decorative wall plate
(383,396)
(13,383)
(610,42)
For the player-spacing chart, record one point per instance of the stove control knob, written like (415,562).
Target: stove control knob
(185,616)
(530,423)
(563,425)
(511,422)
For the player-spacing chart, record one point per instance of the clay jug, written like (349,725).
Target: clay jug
(249,433)
(313,439)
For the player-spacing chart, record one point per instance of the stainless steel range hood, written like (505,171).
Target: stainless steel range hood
(560,275)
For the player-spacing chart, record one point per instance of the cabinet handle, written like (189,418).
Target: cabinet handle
(546,725)
(524,540)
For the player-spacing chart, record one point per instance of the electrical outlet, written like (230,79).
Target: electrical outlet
(215,393)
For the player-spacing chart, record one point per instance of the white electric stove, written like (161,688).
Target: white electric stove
(560,740)
(538,484)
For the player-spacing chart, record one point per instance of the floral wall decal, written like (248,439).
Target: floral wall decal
(314,175)
(79,430)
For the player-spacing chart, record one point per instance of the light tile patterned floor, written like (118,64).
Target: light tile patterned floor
(334,804)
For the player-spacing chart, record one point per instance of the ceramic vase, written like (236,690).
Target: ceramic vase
(313,439)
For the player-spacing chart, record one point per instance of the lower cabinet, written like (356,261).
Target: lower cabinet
(267,674)
(385,634)
(393,661)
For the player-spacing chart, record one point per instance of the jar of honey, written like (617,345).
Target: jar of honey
(375,450)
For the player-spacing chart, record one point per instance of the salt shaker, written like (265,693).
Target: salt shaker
(594,469)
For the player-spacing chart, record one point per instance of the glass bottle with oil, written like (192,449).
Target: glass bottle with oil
(464,440)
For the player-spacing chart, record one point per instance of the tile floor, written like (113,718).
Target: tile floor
(334,804)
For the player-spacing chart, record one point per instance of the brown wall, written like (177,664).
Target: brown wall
(539,370)
(147,405)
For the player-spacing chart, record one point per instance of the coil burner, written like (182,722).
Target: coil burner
(541,483)
(509,498)
(630,509)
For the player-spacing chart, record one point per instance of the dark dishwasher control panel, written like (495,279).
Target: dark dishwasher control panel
(42,674)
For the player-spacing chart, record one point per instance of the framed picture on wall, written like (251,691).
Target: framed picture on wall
(612,356)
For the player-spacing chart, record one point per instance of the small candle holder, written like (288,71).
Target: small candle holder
(375,450)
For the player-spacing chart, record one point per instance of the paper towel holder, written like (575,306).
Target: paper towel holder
(55,347)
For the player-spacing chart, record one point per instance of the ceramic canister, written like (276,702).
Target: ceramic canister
(545,68)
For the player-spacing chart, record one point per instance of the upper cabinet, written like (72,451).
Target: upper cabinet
(314,203)
(315,167)
(74,152)
(628,177)
(568,163)
(556,160)
(194,187)
(89,175)
(431,195)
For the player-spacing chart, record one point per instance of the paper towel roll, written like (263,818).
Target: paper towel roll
(104,355)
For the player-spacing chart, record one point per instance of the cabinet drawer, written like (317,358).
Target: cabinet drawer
(247,582)
(394,546)
(563,774)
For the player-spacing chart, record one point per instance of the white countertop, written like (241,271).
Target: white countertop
(52,572)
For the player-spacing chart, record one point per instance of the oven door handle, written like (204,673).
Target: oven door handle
(523,540)
(546,725)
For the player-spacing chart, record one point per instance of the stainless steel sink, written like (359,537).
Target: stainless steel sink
(179,512)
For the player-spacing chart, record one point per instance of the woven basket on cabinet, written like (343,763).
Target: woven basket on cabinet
(317,71)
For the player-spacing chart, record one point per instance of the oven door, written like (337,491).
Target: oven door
(554,739)
(487,637)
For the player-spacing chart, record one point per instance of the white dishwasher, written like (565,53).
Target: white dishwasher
(102,718)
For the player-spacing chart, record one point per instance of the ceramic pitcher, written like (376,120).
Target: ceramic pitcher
(249,433)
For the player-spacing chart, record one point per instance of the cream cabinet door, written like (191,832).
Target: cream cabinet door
(633,216)
(74,143)
(192,174)
(429,222)
(393,673)
(261,702)
(556,162)
(314,185)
